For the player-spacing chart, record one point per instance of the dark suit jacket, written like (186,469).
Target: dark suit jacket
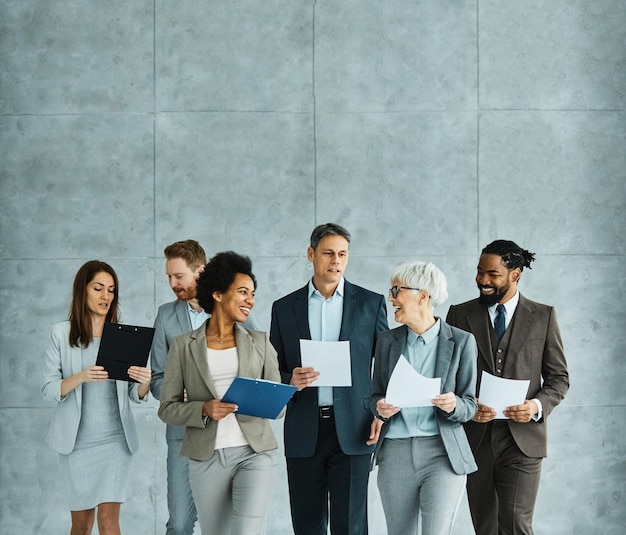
(456,365)
(364,316)
(535,352)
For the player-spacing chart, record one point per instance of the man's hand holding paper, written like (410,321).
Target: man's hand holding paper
(303,377)
(330,359)
(498,394)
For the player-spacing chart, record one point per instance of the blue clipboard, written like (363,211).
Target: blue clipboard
(258,397)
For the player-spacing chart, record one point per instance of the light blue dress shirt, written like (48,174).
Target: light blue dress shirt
(421,352)
(196,318)
(325,317)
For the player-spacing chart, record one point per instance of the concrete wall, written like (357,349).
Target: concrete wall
(427,128)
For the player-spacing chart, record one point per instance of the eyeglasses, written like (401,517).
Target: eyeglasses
(393,291)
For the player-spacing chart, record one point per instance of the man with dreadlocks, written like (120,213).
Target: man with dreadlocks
(517,339)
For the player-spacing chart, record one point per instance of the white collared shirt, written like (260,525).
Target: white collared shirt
(509,306)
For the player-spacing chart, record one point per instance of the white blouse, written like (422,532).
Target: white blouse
(224,365)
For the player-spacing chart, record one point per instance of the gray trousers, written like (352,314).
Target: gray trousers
(179,499)
(415,478)
(232,490)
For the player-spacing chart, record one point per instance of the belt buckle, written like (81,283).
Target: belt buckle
(326,412)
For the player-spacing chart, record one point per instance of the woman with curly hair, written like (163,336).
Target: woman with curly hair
(231,456)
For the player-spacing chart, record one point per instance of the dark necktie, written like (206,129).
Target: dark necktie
(498,324)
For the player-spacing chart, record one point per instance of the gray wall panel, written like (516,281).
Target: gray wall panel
(235,55)
(592,444)
(383,175)
(408,55)
(77,57)
(235,179)
(76,186)
(569,165)
(427,128)
(552,54)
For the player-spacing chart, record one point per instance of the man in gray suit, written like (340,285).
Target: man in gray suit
(517,339)
(184,261)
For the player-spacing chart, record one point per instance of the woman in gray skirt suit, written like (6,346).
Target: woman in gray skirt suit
(92,429)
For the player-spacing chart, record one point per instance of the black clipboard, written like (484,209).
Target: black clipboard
(258,397)
(123,346)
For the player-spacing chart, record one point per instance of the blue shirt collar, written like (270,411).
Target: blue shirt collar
(338,291)
(428,336)
(191,310)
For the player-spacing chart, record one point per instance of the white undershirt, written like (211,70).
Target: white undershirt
(224,365)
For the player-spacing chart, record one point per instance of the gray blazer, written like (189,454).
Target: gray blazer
(456,365)
(62,361)
(187,369)
(172,320)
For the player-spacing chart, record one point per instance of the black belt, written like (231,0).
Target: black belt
(326,412)
(499,423)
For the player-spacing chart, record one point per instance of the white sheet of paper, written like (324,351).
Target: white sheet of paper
(331,359)
(408,388)
(500,393)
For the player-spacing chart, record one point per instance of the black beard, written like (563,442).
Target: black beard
(492,299)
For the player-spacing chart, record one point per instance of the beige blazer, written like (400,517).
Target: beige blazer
(187,369)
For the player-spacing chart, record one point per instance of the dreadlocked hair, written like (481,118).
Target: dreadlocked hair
(512,254)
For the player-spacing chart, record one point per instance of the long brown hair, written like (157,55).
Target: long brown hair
(80,317)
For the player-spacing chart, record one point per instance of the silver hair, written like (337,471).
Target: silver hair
(425,276)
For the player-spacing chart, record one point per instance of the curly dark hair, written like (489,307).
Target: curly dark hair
(219,274)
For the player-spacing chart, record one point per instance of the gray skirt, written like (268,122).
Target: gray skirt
(97,474)
(98,469)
